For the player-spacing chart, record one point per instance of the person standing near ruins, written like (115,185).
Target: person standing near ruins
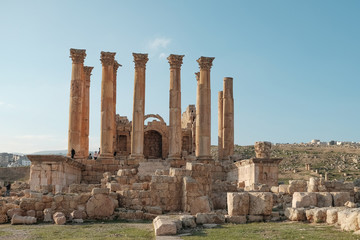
(95,155)
(72,153)
(8,188)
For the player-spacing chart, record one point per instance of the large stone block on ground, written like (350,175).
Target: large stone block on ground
(164,226)
(348,219)
(3,218)
(96,191)
(340,198)
(238,203)
(204,218)
(100,206)
(255,218)
(200,205)
(260,203)
(324,199)
(304,199)
(236,219)
(59,218)
(295,214)
(331,215)
(319,215)
(188,221)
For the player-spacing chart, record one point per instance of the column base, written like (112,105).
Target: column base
(205,159)
(135,159)
(106,156)
(176,161)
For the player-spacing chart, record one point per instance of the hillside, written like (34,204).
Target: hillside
(341,162)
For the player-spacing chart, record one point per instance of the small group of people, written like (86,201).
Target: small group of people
(8,188)
(96,155)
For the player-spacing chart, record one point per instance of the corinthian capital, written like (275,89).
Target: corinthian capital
(140,59)
(175,60)
(116,66)
(87,71)
(77,55)
(107,58)
(205,62)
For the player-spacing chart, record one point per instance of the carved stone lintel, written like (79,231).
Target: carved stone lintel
(140,59)
(116,65)
(175,60)
(205,63)
(197,75)
(77,55)
(107,58)
(87,71)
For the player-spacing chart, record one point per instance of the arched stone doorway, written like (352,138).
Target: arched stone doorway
(152,144)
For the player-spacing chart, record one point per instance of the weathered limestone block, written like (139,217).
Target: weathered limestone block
(238,203)
(3,218)
(283,188)
(348,219)
(297,186)
(96,191)
(16,219)
(48,215)
(188,221)
(11,212)
(304,199)
(313,184)
(324,199)
(100,206)
(77,214)
(260,203)
(200,205)
(27,203)
(332,215)
(154,210)
(255,218)
(340,198)
(262,149)
(113,187)
(295,214)
(31,213)
(274,189)
(319,215)
(309,215)
(350,204)
(164,226)
(235,219)
(204,218)
(59,218)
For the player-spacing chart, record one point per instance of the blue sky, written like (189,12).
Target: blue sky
(295,64)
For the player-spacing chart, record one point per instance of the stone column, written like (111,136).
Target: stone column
(203,110)
(107,109)
(228,118)
(116,66)
(75,109)
(175,134)
(220,125)
(137,133)
(86,111)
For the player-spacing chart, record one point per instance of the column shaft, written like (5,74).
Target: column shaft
(203,110)
(86,111)
(107,109)
(220,125)
(116,66)
(228,118)
(76,98)
(137,134)
(175,134)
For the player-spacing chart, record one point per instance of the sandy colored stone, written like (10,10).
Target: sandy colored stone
(324,199)
(200,205)
(297,186)
(16,219)
(59,218)
(340,198)
(331,215)
(48,215)
(238,203)
(3,218)
(260,203)
(188,221)
(100,206)
(236,219)
(164,226)
(350,204)
(255,218)
(304,199)
(320,215)
(203,218)
(96,191)
(262,149)
(295,214)
(11,212)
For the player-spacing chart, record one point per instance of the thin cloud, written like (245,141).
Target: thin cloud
(159,43)
(6,105)
(162,55)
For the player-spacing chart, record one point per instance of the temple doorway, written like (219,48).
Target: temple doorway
(152,144)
